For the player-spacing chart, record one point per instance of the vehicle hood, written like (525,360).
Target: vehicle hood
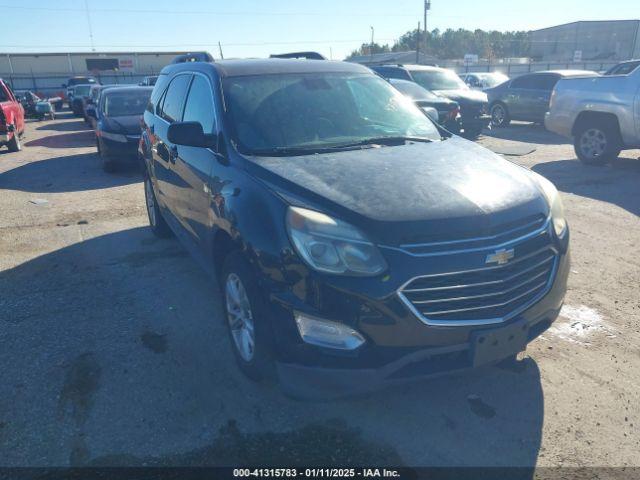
(404,193)
(464,97)
(127,124)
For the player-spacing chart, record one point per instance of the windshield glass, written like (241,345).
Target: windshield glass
(438,80)
(126,103)
(493,79)
(82,90)
(271,112)
(413,90)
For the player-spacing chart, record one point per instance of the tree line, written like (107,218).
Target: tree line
(456,43)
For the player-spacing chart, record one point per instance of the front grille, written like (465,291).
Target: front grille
(490,294)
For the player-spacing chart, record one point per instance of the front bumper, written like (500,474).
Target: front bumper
(121,152)
(318,383)
(400,346)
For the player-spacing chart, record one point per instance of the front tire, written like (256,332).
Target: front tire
(158,224)
(597,144)
(247,315)
(14,144)
(500,115)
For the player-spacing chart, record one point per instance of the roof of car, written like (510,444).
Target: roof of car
(129,88)
(569,73)
(268,66)
(415,67)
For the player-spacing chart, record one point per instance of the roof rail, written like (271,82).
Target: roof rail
(193,57)
(305,55)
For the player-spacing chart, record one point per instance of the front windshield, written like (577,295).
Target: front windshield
(438,80)
(315,111)
(82,91)
(413,90)
(126,103)
(493,79)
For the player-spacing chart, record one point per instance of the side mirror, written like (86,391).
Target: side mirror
(190,134)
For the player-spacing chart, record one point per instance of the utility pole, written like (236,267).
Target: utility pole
(427,7)
(418,46)
(371,45)
(220,48)
(86,9)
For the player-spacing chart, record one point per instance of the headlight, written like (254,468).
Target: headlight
(555,204)
(332,246)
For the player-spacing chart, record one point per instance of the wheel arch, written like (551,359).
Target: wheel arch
(593,117)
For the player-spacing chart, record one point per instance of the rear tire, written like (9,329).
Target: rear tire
(14,144)
(597,143)
(247,316)
(500,115)
(158,224)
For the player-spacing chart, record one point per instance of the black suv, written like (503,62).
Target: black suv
(474,114)
(355,242)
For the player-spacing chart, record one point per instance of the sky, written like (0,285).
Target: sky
(257,28)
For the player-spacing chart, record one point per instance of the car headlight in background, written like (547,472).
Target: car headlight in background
(555,205)
(332,246)
(116,137)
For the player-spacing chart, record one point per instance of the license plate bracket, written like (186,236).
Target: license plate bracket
(492,345)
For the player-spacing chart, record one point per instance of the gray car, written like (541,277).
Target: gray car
(527,97)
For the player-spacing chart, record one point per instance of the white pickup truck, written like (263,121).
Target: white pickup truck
(601,114)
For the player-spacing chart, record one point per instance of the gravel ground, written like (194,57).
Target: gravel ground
(114,351)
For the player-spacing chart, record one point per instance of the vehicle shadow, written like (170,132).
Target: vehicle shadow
(70,173)
(73,126)
(616,183)
(120,357)
(526,133)
(75,139)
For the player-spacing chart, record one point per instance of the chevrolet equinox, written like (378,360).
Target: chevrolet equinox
(356,244)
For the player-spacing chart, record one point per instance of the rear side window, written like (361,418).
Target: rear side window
(390,72)
(158,90)
(199,107)
(547,82)
(171,109)
(526,81)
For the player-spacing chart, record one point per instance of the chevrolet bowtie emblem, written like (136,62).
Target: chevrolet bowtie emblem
(501,257)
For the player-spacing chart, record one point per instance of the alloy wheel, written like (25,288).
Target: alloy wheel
(151,203)
(498,115)
(240,317)
(593,143)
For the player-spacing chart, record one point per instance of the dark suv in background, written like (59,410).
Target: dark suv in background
(356,244)
(445,83)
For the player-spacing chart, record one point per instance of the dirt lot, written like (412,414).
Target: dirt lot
(114,351)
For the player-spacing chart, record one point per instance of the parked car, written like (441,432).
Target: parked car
(623,68)
(118,126)
(78,80)
(601,115)
(78,95)
(484,80)
(527,97)
(445,83)
(356,243)
(11,119)
(447,111)
(149,81)
(91,101)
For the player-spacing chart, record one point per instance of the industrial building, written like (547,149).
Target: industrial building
(45,72)
(587,41)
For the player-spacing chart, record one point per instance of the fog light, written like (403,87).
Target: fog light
(327,334)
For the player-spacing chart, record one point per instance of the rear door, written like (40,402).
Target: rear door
(194,165)
(541,95)
(516,96)
(164,153)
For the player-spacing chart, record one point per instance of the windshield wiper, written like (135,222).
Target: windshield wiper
(385,140)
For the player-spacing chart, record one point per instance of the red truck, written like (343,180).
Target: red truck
(11,119)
